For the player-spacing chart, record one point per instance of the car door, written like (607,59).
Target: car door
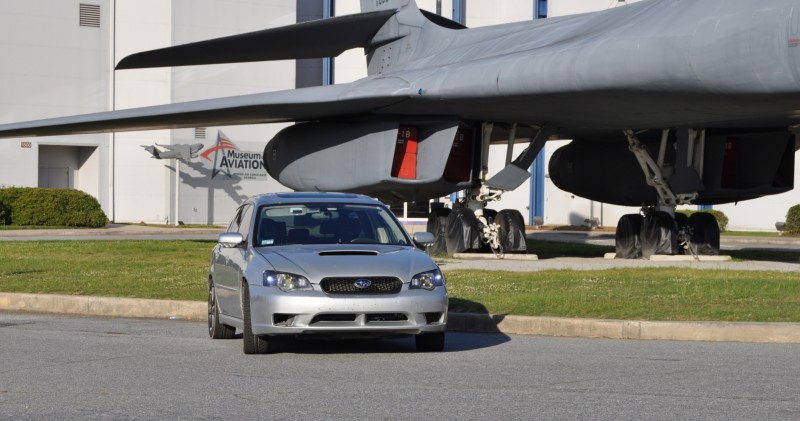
(229,264)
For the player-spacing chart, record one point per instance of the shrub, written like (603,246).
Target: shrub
(51,207)
(721,218)
(792,226)
(5,214)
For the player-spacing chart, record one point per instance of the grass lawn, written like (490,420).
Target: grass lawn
(774,234)
(178,270)
(631,294)
(142,269)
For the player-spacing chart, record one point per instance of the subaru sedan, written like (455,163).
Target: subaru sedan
(323,265)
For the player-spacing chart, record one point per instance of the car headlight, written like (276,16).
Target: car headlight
(428,280)
(286,282)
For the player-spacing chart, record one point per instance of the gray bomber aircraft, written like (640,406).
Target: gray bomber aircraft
(668,101)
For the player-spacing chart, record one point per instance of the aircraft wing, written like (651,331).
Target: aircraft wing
(287,42)
(322,102)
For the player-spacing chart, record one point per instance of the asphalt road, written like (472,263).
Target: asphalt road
(84,368)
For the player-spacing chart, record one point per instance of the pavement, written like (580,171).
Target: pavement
(113,232)
(507,324)
(727,242)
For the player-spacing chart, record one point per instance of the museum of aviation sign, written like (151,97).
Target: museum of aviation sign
(228,159)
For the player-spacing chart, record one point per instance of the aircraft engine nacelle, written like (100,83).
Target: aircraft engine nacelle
(605,172)
(734,166)
(392,160)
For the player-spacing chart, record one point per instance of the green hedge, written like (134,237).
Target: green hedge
(50,207)
(722,219)
(5,213)
(792,226)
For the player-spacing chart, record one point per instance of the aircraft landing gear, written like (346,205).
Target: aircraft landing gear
(462,230)
(472,228)
(661,231)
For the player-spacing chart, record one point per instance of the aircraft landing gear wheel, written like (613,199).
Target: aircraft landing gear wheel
(463,231)
(704,234)
(430,342)
(437,221)
(253,344)
(511,229)
(659,235)
(681,220)
(216,330)
(627,237)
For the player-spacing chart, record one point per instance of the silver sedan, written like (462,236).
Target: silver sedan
(325,264)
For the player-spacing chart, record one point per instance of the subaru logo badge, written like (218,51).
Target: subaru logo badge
(362,283)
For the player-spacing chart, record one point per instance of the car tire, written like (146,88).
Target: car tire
(430,342)
(253,344)
(216,330)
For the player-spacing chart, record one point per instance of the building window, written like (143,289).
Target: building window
(460,11)
(540,9)
(328,11)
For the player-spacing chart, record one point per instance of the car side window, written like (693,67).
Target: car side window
(245,220)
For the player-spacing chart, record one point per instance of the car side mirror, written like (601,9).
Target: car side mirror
(424,238)
(230,239)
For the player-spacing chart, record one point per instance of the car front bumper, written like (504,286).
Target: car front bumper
(274,312)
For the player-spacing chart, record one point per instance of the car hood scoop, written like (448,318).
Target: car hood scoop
(319,261)
(349,253)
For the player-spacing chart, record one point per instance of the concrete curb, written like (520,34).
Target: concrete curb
(678,258)
(784,333)
(104,306)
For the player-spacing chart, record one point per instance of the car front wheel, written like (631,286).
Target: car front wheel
(253,344)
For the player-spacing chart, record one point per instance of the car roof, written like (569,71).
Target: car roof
(312,197)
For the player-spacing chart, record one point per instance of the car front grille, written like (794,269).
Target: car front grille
(351,317)
(378,285)
(320,318)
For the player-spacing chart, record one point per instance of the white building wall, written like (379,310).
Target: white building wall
(62,69)
(203,198)
(145,188)
(52,67)
(141,184)
(495,12)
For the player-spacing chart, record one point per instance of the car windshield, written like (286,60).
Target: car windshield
(327,223)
